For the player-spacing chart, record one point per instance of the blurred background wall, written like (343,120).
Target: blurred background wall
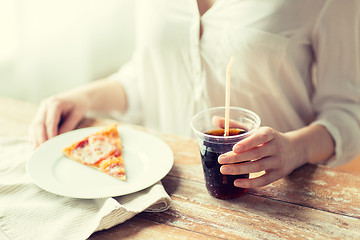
(48,46)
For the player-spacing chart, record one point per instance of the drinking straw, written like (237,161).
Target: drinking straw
(227,96)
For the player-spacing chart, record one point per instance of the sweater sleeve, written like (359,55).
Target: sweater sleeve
(336,41)
(126,75)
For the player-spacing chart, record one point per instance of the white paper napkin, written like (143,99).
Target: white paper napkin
(28,212)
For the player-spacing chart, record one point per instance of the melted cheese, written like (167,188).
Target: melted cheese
(115,169)
(97,148)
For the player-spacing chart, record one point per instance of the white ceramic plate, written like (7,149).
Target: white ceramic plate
(147,160)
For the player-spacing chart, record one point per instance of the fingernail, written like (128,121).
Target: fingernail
(237,183)
(225,170)
(221,159)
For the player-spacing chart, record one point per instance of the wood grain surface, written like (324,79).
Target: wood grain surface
(314,202)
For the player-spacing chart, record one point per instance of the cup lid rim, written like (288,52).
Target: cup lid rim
(199,133)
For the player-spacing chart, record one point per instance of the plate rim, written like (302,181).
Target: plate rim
(89,130)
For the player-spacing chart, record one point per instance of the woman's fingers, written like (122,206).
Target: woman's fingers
(255,153)
(70,121)
(266,150)
(266,163)
(37,130)
(53,117)
(269,177)
(261,136)
(56,115)
(37,135)
(220,123)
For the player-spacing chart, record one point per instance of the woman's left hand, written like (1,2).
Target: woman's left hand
(265,150)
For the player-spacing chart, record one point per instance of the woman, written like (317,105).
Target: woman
(178,69)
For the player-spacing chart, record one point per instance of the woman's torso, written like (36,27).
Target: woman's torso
(182,73)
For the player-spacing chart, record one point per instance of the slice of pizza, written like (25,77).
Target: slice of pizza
(101,150)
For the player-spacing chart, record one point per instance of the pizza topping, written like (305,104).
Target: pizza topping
(101,150)
(82,143)
(114,167)
(96,149)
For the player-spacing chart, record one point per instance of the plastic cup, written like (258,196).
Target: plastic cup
(211,147)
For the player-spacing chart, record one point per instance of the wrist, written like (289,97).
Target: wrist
(314,144)
(79,96)
(300,152)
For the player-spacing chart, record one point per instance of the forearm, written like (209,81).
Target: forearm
(314,142)
(102,96)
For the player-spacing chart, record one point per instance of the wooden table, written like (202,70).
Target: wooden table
(314,202)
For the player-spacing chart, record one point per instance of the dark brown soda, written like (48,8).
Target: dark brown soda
(219,185)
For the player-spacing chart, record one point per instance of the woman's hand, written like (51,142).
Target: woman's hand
(63,112)
(56,115)
(266,150)
(275,153)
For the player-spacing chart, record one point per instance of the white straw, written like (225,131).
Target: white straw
(227,96)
